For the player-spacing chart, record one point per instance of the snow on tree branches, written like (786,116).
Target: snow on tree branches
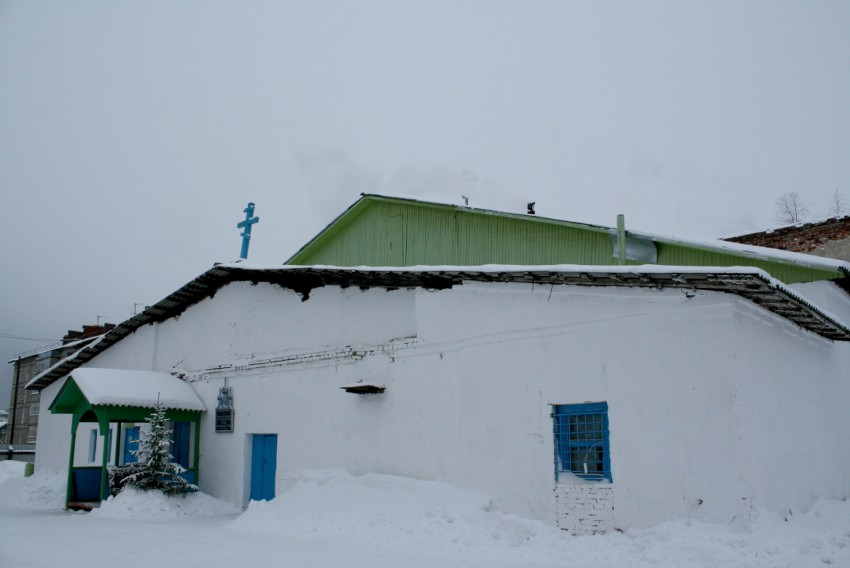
(155,468)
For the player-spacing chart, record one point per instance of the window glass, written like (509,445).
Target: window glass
(581,440)
(93,445)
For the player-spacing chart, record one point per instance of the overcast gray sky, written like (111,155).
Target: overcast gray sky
(132,134)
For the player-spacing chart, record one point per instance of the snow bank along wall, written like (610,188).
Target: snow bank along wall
(715,405)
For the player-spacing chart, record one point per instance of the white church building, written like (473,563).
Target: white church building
(594,398)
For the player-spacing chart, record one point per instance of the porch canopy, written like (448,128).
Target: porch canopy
(108,396)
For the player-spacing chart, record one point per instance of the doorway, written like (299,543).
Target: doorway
(263,466)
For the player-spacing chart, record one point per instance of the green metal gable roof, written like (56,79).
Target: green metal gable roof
(391,231)
(388,231)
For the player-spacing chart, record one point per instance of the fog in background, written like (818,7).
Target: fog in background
(133,134)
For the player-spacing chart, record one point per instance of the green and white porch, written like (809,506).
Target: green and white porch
(122,398)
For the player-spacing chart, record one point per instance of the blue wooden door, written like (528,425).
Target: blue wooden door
(263,466)
(180,448)
(131,444)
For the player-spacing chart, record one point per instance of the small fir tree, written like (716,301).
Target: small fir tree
(155,468)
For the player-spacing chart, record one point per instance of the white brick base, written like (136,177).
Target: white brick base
(584,508)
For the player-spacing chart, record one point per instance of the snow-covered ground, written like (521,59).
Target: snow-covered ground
(331,518)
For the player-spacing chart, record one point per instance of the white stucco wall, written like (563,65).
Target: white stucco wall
(52,449)
(700,389)
(828,296)
(792,400)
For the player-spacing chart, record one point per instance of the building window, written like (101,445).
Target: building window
(41,364)
(581,440)
(31,435)
(34,408)
(93,445)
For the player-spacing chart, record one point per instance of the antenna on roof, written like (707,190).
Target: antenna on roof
(465,200)
(531,208)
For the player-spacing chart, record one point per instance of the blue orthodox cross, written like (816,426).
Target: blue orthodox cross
(246,224)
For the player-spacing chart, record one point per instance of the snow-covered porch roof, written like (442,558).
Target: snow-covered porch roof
(123,388)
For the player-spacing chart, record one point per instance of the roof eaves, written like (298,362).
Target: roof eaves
(751,283)
(36,380)
(751,252)
(56,346)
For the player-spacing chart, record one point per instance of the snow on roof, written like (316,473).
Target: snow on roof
(55,346)
(800,225)
(61,362)
(752,251)
(119,387)
(523,268)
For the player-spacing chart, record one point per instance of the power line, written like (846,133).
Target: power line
(10,336)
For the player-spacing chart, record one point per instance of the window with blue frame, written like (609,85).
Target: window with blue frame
(131,444)
(581,440)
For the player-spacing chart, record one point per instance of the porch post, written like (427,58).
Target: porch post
(69,489)
(104,479)
(197,456)
(118,443)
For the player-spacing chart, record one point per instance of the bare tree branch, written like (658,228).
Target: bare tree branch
(837,203)
(790,208)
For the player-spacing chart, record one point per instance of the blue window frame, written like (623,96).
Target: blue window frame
(581,440)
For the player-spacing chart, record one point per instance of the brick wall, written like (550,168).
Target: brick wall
(584,508)
(808,237)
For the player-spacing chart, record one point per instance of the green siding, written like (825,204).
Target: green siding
(381,231)
(682,255)
(401,234)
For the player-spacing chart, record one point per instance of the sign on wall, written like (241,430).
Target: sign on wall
(224,411)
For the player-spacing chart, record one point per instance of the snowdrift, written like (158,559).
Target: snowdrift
(331,518)
(132,503)
(390,509)
(44,491)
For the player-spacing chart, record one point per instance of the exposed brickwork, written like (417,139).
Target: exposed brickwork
(584,508)
(812,238)
(88,331)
